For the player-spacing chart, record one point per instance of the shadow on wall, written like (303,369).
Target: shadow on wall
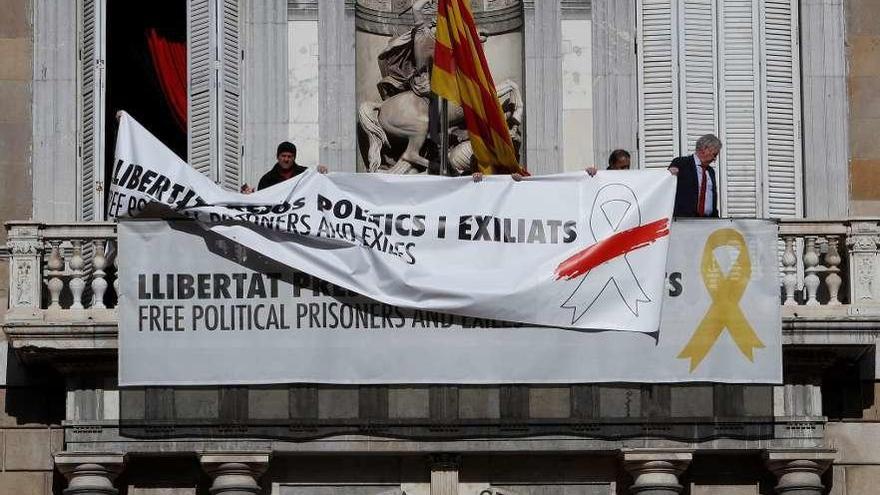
(32,395)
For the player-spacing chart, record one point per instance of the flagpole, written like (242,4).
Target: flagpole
(444,137)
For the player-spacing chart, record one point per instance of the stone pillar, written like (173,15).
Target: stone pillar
(864,283)
(799,472)
(89,473)
(336,83)
(235,473)
(444,474)
(543,86)
(656,472)
(25,253)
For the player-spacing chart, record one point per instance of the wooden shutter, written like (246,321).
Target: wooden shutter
(730,67)
(201,49)
(780,78)
(658,82)
(739,105)
(698,78)
(92,38)
(230,95)
(214,89)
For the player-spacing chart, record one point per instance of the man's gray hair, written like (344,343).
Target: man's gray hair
(708,141)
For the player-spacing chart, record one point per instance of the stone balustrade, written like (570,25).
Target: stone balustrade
(62,284)
(64,273)
(812,257)
(61,267)
(828,268)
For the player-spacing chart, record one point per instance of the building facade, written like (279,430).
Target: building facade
(790,86)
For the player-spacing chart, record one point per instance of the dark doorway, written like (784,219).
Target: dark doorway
(146,52)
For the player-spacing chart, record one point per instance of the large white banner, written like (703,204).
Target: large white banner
(198,309)
(566,250)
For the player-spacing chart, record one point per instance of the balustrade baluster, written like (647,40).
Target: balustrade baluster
(116,271)
(99,282)
(77,284)
(832,263)
(811,269)
(55,266)
(789,270)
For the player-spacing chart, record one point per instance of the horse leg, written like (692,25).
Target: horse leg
(411,154)
(406,115)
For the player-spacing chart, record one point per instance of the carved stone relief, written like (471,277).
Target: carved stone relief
(24,250)
(23,288)
(863,244)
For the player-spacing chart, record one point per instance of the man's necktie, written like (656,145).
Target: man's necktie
(701,199)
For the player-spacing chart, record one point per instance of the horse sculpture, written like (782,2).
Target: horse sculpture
(406,116)
(404,112)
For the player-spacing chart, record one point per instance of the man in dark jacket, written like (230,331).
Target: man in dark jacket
(285,168)
(696,194)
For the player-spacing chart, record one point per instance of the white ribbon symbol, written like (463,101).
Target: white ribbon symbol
(615,209)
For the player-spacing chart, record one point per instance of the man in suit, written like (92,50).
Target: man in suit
(696,194)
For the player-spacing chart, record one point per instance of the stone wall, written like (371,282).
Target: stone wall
(30,433)
(16,52)
(863,79)
(16,48)
(30,413)
(857,468)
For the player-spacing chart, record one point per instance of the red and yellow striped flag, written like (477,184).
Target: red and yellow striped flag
(461,75)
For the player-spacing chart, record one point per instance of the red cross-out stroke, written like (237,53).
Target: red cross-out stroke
(611,247)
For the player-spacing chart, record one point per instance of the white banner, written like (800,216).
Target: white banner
(565,250)
(198,309)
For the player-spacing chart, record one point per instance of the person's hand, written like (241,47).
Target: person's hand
(246,189)
(477,176)
(322,169)
(516,176)
(591,170)
(673,170)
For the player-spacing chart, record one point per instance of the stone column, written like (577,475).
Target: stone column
(543,85)
(799,472)
(444,474)
(235,473)
(336,85)
(656,472)
(89,473)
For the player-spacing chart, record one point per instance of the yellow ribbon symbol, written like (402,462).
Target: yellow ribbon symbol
(726,292)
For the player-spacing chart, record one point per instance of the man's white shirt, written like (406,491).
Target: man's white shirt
(710,199)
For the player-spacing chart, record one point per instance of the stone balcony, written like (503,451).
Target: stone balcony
(62,311)
(62,285)
(63,289)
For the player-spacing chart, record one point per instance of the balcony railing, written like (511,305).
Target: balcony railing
(62,284)
(62,276)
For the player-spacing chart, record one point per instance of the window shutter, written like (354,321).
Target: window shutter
(781,99)
(698,72)
(201,49)
(92,27)
(739,53)
(214,89)
(658,82)
(230,96)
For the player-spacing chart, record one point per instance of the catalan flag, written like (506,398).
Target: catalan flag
(461,75)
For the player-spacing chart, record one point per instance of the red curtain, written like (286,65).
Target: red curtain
(169,62)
